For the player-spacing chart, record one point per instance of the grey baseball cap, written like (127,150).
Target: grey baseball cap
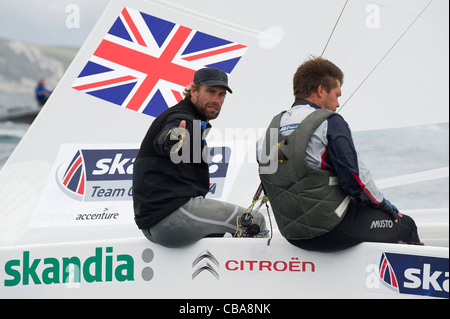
(212,77)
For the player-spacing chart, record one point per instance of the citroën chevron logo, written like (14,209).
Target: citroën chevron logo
(205,265)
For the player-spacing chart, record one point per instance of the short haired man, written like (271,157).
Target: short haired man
(322,195)
(171,175)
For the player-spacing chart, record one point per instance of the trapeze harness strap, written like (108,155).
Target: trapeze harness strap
(306,202)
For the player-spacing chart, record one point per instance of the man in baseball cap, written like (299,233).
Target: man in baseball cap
(171,173)
(212,77)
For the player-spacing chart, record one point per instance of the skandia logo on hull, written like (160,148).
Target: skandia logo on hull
(98,175)
(107,174)
(409,274)
(104,265)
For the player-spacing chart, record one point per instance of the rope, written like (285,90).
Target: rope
(387,53)
(334,28)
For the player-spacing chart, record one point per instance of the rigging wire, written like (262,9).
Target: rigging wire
(334,28)
(387,53)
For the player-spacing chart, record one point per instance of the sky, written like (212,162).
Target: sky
(50,22)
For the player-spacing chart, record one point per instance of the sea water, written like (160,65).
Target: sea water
(10,136)
(402,151)
(11,133)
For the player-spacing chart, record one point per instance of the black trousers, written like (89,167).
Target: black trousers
(362,223)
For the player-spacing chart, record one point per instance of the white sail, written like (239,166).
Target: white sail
(395,58)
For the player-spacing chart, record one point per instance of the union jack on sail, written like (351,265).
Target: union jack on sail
(144,63)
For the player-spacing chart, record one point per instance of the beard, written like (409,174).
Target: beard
(212,111)
(209,111)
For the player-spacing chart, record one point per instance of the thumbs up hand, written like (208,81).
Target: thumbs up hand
(174,139)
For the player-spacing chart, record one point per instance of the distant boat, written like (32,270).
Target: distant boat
(25,114)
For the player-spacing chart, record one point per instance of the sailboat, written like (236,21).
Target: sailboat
(66,214)
(20,114)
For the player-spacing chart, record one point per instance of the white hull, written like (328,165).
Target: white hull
(244,268)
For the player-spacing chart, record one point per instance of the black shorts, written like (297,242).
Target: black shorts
(363,223)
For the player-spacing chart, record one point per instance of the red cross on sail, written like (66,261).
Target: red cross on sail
(144,63)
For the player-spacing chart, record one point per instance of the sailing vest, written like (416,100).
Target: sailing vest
(306,202)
